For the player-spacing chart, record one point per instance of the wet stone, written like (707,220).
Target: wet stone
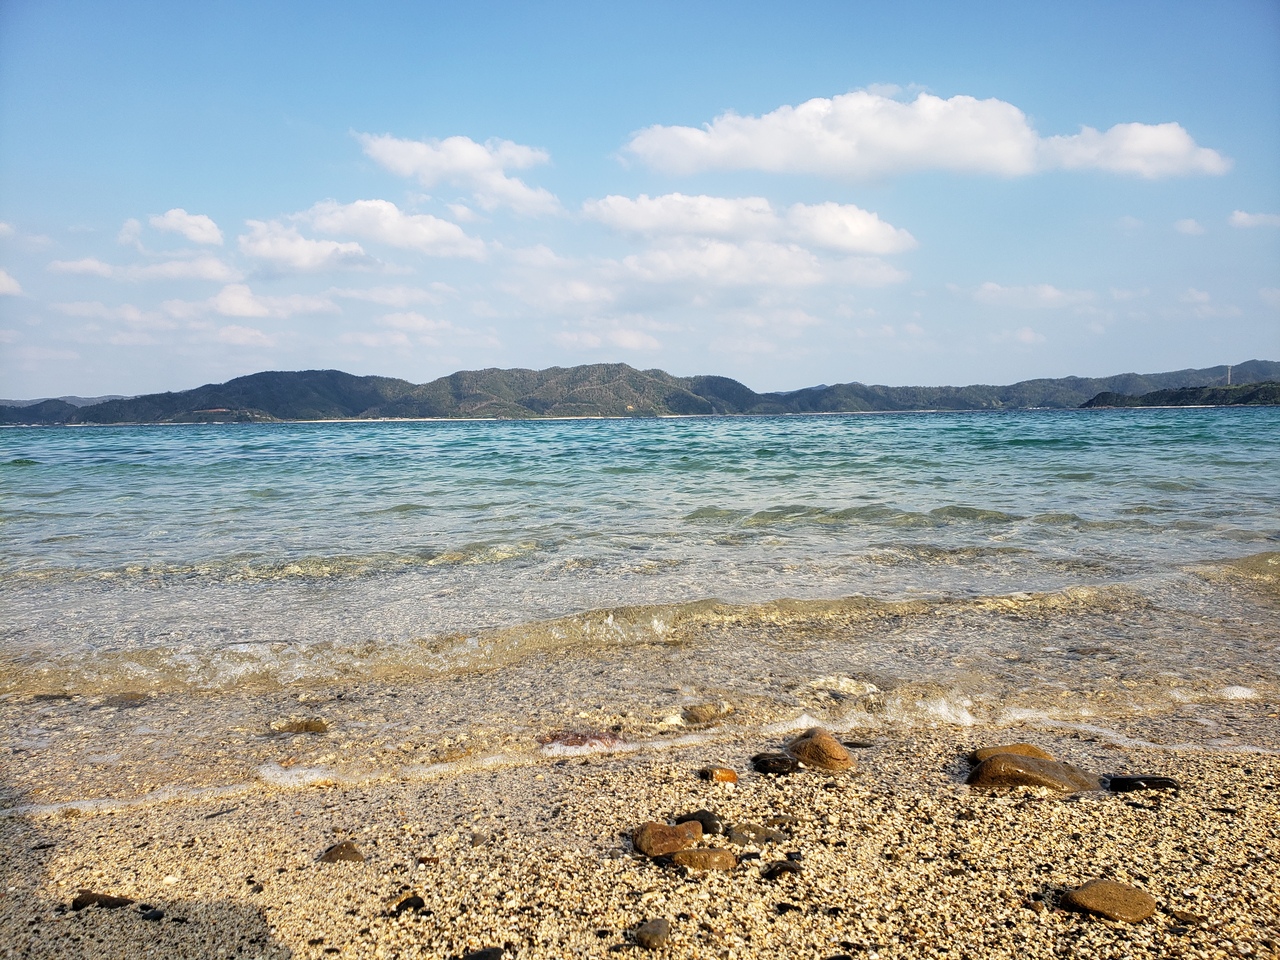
(346,850)
(777,764)
(1130,784)
(299,725)
(1017,749)
(659,839)
(153,915)
(653,933)
(711,822)
(1011,770)
(782,868)
(411,902)
(705,858)
(743,834)
(818,748)
(718,774)
(1115,901)
(488,953)
(87,898)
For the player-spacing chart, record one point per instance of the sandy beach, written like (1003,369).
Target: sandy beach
(533,855)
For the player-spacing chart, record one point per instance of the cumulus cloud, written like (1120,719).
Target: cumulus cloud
(238,300)
(194,268)
(1190,227)
(867,134)
(397,296)
(9,287)
(239,336)
(480,168)
(753,263)
(196,227)
(1241,219)
(130,234)
(89,266)
(284,247)
(834,226)
(1032,295)
(383,222)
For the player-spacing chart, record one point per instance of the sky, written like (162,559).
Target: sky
(787,194)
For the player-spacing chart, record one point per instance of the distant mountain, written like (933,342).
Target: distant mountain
(1243,395)
(74,401)
(595,390)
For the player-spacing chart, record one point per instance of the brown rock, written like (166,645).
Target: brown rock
(1017,749)
(346,850)
(1115,901)
(706,712)
(1011,770)
(653,933)
(659,839)
(718,774)
(706,858)
(818,748)
(87,898)
(299,725)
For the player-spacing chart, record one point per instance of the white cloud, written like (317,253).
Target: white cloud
(461,162)
(1129,224)
(1032,295)
(375,339)
(1202,305)
(1241,219)
(754,263)
(196,268)
(414,322)
(6,229)
(399,296)
(89,266)
(238,300)
(842,227)
(196,227)
(384,222)
(1270,296)
(125,312)
(615,334)
(866,134)
(130,234)
(285,247)
(1192,295)
(239,336)
(1023,335)
(1190,227)
(9,287)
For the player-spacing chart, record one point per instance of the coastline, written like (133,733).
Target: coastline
(898,858)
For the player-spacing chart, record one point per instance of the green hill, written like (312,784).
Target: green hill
(1242,395)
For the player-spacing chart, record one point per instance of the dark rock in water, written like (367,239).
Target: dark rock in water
(711,823)
(1129,784)
(87,898)
(1011,770)
(1017,749)
(818,748)
(778,764)
(659,839)
(705,858)
(746,833)
(488,953)
(653,933)
(346,850)
(1115,901)
(718,774)
(781,868)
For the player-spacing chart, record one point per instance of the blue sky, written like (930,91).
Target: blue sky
(790,194)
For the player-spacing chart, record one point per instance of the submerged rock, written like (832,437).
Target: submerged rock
(659,839)
(1115,901)
(818,748)
(1017,749)
(1011,770)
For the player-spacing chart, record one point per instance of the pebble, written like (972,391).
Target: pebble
(1115,901)
(659,839)
(155,914)
(718,774)
(488,953)
(706,712)
(781,868)
(653,933)
(346,850)
(1012,770)
(87,898)
(818,748)
(711,822)
(1129,784)
(778,764)
(743,834)
(1017,749)
(705,858)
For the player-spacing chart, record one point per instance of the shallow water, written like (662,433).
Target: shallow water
(503,578)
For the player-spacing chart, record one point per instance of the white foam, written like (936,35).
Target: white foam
(802,722)
(293,777)
(1238,693)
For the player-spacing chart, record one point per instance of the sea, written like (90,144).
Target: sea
(201,607)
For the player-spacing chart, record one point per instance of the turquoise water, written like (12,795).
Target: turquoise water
(429,584)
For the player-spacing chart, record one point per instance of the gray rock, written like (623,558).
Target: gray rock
(711,822)
(653,933)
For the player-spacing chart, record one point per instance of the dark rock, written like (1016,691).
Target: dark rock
(659,839)
(718,774)
(346,850)
(778,764)
(1130,784)
(1017,749)
(126,701)
(711,823)
(653,933)
(784,907)
(87,898)
(818,748)
(411,902)
(747,833)
(1012,770)
(781,868)
(488,953)
(1115,901)
(858,744)
(154,915)
(705,858)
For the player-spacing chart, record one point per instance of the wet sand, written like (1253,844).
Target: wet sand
(533,855)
